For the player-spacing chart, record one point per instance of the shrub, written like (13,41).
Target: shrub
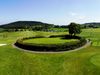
(56,47)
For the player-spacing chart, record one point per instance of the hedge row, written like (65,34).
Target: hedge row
(54,48)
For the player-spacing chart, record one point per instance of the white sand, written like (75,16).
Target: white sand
(3,44)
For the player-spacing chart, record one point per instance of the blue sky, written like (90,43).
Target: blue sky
(50,11)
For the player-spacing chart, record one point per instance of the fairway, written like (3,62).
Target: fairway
(50,41)
(16,62)
(92,34)
(96,60)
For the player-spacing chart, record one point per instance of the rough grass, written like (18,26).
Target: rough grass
(16,62)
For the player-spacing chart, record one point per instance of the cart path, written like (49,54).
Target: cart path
(3,44)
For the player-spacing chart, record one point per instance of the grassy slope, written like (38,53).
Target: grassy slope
(16,62)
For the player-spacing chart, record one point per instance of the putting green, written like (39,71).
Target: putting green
(96,60)
(50,41)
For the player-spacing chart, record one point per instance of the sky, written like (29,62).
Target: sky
(59,12)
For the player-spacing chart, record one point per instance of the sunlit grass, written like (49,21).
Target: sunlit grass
(16,62)
(50,41)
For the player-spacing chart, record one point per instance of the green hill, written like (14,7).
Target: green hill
(33,25)
(91,25)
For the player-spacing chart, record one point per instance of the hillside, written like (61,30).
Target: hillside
(25,25)
(91,25)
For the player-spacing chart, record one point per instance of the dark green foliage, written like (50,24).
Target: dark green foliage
(32,26)
(74,29)
(2,30)
(60,26)
(91,25)
(27,25)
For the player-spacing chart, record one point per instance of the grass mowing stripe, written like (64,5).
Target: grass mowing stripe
(15,62)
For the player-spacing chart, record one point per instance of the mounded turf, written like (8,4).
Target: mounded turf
(16,62)
(50,41)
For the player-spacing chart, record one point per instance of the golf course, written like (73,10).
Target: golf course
(49,37)
(14,61)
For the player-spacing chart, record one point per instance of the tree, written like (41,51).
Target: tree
(74,29)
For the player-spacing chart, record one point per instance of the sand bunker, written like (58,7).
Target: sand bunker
(3,44)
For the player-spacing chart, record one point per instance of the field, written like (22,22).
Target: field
(82,62)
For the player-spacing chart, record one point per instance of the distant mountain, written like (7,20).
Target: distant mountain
(91,25)
(25,25)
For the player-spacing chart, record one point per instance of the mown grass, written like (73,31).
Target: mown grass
(59,29)
(50,41)
(16,62)
(92,34)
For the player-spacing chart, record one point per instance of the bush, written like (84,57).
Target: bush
(54,48)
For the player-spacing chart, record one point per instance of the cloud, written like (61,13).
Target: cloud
(77,16)
(73,14)
(81,17)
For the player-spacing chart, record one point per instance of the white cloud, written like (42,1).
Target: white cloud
(77,16)
(81,17)
(73,14)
